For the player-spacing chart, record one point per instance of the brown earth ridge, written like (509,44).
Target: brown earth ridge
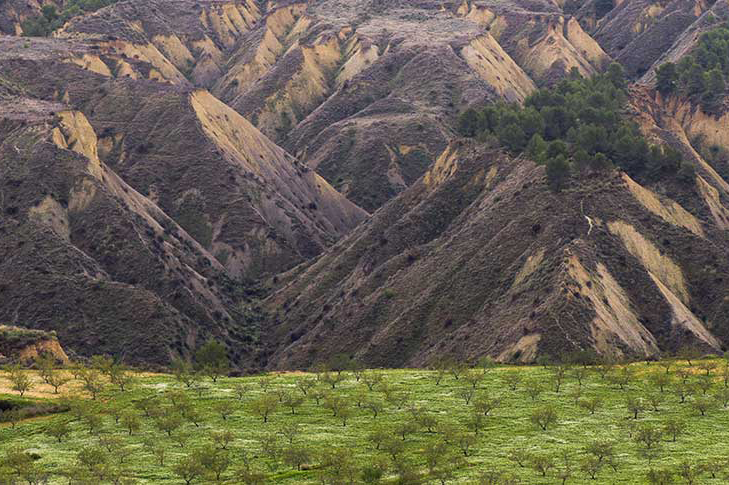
(157,158)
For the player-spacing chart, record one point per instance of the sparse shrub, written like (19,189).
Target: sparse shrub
(264,406)
(212,359)
(544,417)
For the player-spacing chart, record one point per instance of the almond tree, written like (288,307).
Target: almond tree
(21,381)
(58,430)
(292,401)
(212,359)
(661,380)
(241,390)
(473,377)
(296,455)
(590,404)
(304,384)
(544,417)
(225,408)
(673,427)
(291,431)
(214,461)
(512,379)
(542,463)
(45,364)
(264,406)
(533,389)
(189,468)
(485,404)
(222,439)
(93,383)
(57,380)
(184,372)
(131,422)
(707,367)
(372,379)
(168,423)
(155,448)
(634,405)
(702,404)
(120,377)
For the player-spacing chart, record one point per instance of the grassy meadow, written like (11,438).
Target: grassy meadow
(215,432)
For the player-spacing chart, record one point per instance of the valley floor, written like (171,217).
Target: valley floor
(437,424)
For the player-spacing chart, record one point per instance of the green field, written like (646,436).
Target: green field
(435,419)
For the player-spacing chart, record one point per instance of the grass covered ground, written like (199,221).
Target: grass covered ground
(314,446)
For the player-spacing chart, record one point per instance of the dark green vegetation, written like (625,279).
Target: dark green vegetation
(702,74)
(51,19)
(658,422)
(576,126)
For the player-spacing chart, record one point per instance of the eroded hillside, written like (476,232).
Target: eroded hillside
(176,198)
(87,256)
(198,144)
(364,92)
(479,257)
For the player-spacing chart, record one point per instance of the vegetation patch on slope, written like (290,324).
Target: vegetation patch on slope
(577,125)
(702,74)
(51,19)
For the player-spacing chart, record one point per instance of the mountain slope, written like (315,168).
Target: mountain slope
(86,255)
(480,258)
(238,194)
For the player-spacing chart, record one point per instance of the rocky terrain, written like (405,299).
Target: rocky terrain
(19,344)
(159,157)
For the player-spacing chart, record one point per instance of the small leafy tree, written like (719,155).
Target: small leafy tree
(305,384)
(224,408)
(707,366)
(57,380)
(158,450)
(655,400)
(93,382)
(591,466)
(473,377)
(702,404)
(131,422)
(542,463)
(661,380)
(590,404)
(20,380)
(184,372)
(189,468)
(512,379)
(659,476)
(292,401)
(634,406)
(689,471)
(212,359)
(521,456)
(214,461)
(485,404)
(544,417)
(533,389)
(623,377)
(58,430)
(120,377)
(168,422)
(264,406)
(222,439)
(684,390)
(704,384)
(674,427)
(648,436)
